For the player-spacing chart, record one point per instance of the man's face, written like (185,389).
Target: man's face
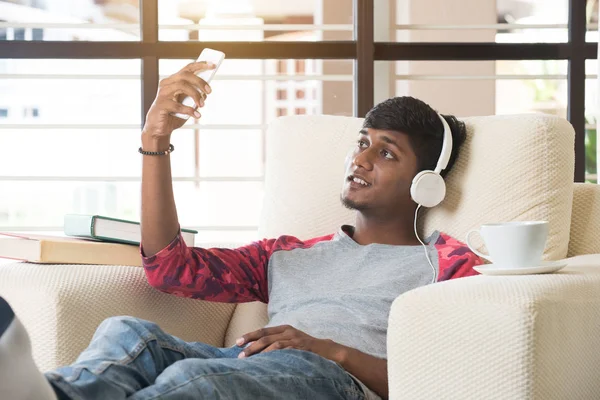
(386,162)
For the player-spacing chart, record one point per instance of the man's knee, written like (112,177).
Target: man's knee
(123,325)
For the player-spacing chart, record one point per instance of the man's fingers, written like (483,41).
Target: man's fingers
(171,106)
(279,345)
(199,66)
(196,81)
(176,89)
(258,346)
(264,342)
(186,75)
(252,336)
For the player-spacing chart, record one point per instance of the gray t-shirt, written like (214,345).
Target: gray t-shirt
(343,291)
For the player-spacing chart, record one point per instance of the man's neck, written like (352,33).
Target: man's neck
(398,230)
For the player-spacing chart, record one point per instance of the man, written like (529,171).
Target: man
(329,297)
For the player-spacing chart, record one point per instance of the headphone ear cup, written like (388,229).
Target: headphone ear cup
(428,188)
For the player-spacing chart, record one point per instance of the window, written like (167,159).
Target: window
(31,112)
(112,88)
(68,20)
(484,87)
(281,94)
(519,82)
(527,21)
(19,34)
(256,21)
(38,187)
(591,121)
(220,157)
(283,58)
(37,34)
(282,67)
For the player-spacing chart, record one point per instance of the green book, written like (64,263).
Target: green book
(108,229)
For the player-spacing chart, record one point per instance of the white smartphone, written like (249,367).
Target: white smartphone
(210,55)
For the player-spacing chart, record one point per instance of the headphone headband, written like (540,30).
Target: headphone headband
(446,147)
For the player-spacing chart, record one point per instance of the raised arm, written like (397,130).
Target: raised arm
(159,222)
(171,266)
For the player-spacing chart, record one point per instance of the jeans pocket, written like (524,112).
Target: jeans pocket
(356,390)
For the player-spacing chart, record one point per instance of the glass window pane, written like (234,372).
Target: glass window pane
(255,20)
(115,20)
(592,104)
(413,21)
(254,92)
(39,204)
(113,153)
(219,203)
(229,152)
(545,90)
(218,153)
(592,21)
(591,150)
(251,93)
(70,152)
(70,91)
(591,88)
(468,88)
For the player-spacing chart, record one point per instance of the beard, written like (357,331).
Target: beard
(352,205)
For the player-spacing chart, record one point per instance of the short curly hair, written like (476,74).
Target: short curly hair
(421,123)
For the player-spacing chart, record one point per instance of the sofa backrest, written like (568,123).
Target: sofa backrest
(304,175)
(517,167)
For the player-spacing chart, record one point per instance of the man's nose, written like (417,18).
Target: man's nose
(364,159)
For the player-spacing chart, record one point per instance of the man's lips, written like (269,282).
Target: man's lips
(354,185)
(357,181)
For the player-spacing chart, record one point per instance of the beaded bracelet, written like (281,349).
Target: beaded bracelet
(157,153)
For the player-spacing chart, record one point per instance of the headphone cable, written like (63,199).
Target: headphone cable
(424,246)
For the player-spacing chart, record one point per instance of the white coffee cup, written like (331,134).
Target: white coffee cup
(517,244)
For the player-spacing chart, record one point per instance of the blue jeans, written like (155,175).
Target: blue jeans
(130,358)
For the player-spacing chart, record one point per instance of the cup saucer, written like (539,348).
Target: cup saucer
(546,267)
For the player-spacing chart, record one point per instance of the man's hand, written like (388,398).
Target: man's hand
(372,371)
(171,91)
(288,337)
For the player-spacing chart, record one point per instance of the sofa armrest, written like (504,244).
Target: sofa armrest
(584,237)
(512,337)
(61,306)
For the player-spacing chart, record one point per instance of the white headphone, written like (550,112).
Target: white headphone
(428,188)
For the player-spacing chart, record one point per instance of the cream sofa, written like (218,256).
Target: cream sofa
(517,337)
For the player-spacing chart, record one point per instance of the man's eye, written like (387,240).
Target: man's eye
(361,143)
(387,154)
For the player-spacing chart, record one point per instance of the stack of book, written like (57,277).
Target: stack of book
(91,239)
